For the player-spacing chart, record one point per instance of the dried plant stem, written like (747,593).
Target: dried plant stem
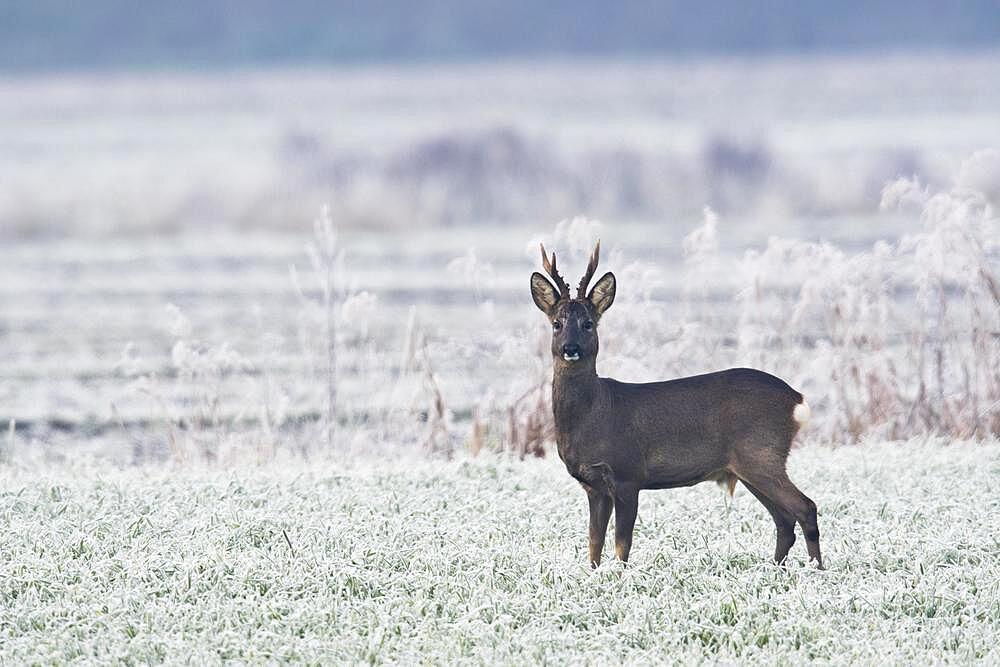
(331,359)
(436,412)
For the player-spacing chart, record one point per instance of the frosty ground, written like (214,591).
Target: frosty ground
(484,561)
(167,382)
(148,311)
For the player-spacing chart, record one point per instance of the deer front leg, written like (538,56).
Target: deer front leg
(600,513)
(626,508)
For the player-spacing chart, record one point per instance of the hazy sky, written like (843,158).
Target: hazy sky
(68,34)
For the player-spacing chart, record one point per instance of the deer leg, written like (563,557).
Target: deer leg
(600,513)
(783,522)
(779,489)
(626,508)
(810,528)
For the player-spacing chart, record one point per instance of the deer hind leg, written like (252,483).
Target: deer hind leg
(776,487)
(600,513)
(784,523)
(626,509)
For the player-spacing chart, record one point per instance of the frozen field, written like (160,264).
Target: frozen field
(203,460)
(147,227)
(207,346)
(82,318)
(484,562)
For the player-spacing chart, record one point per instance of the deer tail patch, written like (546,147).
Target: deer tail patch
(801,413)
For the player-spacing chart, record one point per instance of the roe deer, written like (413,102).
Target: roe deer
(617,438)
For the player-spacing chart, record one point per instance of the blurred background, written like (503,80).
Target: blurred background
(163,165)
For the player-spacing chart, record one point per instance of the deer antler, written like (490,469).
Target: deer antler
(550,268)
(581,291)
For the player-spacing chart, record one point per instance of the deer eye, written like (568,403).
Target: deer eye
(557,325)
(588,325)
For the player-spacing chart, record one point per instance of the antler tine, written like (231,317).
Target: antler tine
(581,291)
(550,268)
(545,260)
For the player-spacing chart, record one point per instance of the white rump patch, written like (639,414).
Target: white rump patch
(801,413)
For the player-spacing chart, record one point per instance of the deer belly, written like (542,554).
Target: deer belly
(675,471)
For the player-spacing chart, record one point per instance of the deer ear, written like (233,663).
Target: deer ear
(602,294)
(543,293)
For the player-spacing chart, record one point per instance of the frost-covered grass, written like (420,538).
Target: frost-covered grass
(484,562)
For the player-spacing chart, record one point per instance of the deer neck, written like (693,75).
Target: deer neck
(575,389)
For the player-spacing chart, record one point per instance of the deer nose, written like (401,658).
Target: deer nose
(571,352)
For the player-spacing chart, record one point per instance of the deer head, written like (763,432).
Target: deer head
(574,321)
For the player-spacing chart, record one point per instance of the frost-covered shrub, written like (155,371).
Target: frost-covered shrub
(891,342)
(898,340)
(191,396)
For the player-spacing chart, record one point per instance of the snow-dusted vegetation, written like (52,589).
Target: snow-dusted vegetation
(485,561)
(372,343)
(232,434)
(147,310)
